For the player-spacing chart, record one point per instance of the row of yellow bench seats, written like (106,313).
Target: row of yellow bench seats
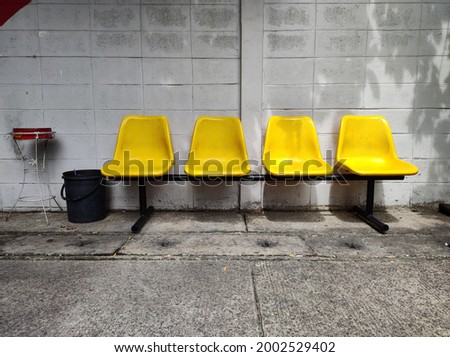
(365,147)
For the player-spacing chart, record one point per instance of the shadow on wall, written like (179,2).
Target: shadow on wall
(407,68)
(432,121)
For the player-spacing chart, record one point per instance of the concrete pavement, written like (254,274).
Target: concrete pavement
(315,273)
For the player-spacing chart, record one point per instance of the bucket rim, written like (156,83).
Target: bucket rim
(82,174)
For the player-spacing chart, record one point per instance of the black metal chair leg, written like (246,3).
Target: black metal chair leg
(145,212)
(142,220)
(371,220)
(367,214)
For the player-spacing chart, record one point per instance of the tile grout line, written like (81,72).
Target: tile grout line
(193,198)
(141,41)
(42,110)
(414,134)
(366,50)
(91,61)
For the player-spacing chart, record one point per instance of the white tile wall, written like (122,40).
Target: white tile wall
(80,66)
(382,57)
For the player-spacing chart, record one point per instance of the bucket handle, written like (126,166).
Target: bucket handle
(79,197)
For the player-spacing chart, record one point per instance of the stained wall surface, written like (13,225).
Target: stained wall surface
(80,66)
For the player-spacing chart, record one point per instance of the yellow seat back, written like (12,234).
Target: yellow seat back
(366,147)
(365,136)
(292,148)
(218,148)
(143,148)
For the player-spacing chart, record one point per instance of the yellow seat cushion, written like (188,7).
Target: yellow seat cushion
(366,147)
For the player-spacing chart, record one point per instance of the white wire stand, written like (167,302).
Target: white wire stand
(35,165)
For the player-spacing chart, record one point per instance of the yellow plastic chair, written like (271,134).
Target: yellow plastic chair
(366,148)
(143,148)
(218,148)
(292,148)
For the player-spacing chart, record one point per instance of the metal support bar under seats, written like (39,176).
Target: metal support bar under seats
(365,214)
(145,212)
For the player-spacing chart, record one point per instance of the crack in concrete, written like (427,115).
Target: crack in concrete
(257,305)
(117,251)
(313,253)
(245,222)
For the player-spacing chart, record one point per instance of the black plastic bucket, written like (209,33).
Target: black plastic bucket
(85,195)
